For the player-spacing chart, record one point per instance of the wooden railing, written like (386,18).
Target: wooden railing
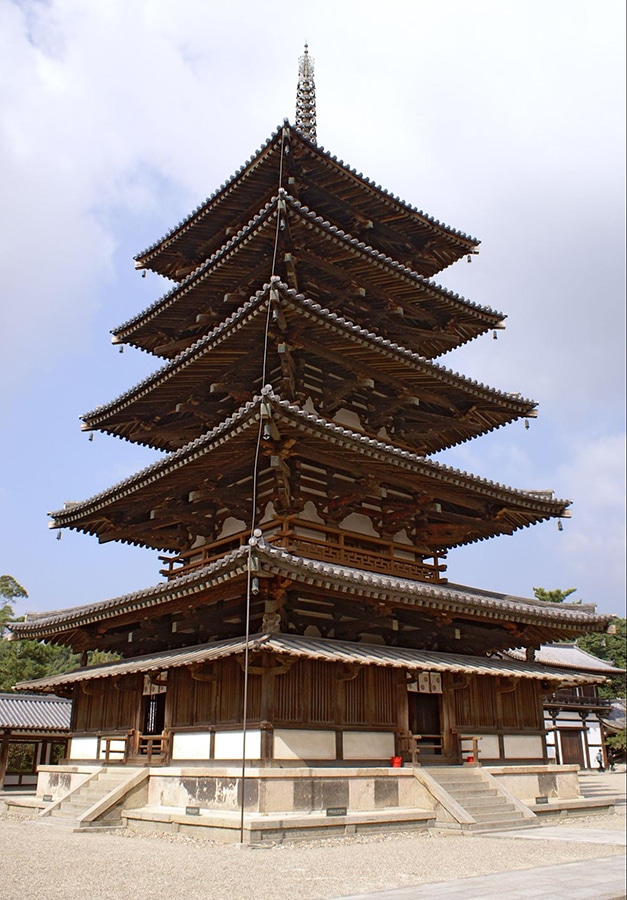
(321,542)
(114,748)
(415,745)
(571,698)
(152,747)
(469,748)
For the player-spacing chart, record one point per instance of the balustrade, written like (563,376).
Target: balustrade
(315,541)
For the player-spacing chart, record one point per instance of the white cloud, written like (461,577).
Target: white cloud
(505,120)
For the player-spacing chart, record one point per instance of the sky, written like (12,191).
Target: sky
(504,120)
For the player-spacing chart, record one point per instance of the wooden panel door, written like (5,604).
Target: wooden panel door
(572,747)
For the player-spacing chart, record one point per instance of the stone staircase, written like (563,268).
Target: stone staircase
(479,802)
(95,804)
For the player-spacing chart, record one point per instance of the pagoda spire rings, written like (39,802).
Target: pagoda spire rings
(305,122)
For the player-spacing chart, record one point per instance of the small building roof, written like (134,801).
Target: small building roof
(568,656)
(34,713)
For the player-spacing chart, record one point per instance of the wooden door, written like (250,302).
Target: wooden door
(572,747)
(424,719)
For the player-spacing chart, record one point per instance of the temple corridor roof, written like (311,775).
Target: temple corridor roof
(27,713)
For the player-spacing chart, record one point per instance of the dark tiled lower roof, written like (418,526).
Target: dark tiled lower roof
(24,713)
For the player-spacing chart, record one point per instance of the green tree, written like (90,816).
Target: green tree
(27,660)
(9,590)
(554,596)
(612,647)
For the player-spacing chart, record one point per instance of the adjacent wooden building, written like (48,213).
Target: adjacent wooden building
(304,527)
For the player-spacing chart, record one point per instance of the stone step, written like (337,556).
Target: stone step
(60,813)
(73,805)
(456,772)
(109,782)
(492,816)
(462,788)
(506,825)
(69,825)
(483,805)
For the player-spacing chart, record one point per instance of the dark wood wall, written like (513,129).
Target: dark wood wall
(486,703)
(309,693)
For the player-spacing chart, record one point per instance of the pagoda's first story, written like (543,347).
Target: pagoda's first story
(304,618)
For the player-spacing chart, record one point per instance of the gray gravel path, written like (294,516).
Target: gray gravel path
(36,861)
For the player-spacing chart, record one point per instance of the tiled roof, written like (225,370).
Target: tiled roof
(568,656)
(24,713)
(340,236)
(321,649)
(543,501)
(341,579)
(310,309)
(205,208)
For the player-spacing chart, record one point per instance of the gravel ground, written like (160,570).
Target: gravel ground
(36,861)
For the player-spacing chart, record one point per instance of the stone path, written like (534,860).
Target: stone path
(592,879)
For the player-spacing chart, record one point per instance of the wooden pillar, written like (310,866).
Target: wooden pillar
(4,755)
(447,718)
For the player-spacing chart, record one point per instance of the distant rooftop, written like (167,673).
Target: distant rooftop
(568,656)
(34,712)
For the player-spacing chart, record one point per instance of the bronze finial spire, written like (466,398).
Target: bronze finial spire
(306,98)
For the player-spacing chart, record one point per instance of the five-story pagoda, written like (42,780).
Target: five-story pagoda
(304,523)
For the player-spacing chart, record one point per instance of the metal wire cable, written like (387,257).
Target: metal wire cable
(249,575)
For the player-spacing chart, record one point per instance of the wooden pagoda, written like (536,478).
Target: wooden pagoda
(303,524)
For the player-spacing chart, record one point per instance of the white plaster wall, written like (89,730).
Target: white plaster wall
(348,418)
(192,746)
(231,526)
(523,746)
(359,523)
(368,745)
(300,743)
(229,745)
(15,779)
(568,719)
(83,748)
(116,750)
(595,742)
(488,747)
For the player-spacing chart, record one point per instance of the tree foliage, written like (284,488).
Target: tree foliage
(554,596)
(610,647)
(27,660)
(10,589)
(613,649)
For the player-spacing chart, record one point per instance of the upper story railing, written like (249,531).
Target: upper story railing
(577,698)
(321,542)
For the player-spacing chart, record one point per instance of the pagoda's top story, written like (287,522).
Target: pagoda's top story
(305,608)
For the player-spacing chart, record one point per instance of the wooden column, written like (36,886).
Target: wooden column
(4,755)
